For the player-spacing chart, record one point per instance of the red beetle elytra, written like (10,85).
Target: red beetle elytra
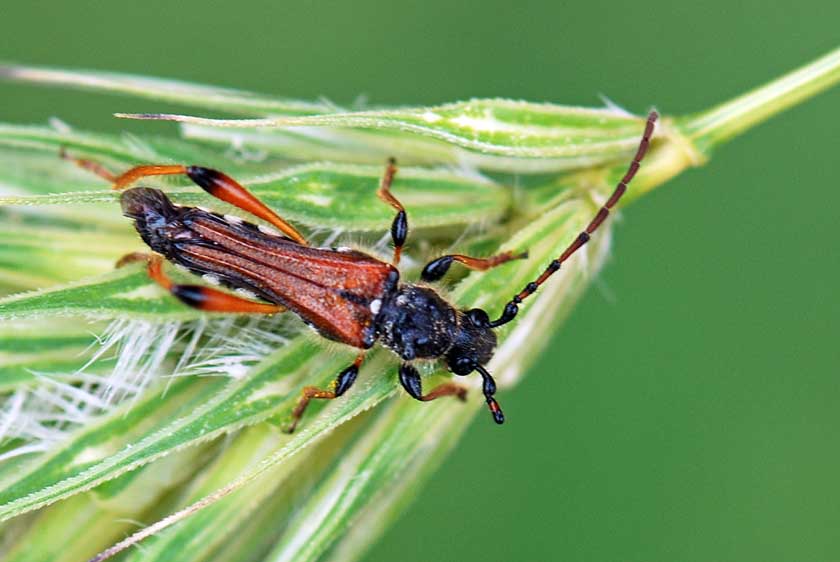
(346,295)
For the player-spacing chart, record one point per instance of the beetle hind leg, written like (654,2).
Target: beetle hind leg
(133,257)
(217,184)
(204,298)
(89,165)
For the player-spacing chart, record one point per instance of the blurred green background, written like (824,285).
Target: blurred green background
(689,408)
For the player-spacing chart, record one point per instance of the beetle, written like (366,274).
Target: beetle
(346,295)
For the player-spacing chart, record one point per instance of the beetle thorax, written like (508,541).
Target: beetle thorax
(416,323)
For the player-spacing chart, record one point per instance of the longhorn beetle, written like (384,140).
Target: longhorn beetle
(345,295)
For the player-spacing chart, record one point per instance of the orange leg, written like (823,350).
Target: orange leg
(89,165)
(399,228)
(437,268)
(339,386)
(445,389)
(213,182)
(133,257)
(205,298)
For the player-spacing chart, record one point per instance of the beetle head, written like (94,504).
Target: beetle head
(474,342)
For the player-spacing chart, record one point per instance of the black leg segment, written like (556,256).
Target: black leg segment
(489,389)
(437,268)
(342,384)
(410,380)
(399,227)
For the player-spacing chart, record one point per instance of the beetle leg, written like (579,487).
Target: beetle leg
(339,386)
(89,165)
(437,268)
(205,298)
(410,380)
(399,227)
(489,389)
(133,257)
(217,184)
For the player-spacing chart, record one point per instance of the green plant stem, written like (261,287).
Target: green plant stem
(729,119)
(686,142)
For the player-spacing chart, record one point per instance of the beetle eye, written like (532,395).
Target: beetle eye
(463,366)
(478,317)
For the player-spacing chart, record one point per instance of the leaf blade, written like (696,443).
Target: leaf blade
(159,89)
(490,126)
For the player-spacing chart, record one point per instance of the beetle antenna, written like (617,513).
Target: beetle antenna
(489,388)
(512,307)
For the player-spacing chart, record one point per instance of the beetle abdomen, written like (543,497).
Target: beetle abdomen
(155,217)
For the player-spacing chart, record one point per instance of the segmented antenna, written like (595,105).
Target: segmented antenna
(512,307)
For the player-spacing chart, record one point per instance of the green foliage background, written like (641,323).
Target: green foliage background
(688,409)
